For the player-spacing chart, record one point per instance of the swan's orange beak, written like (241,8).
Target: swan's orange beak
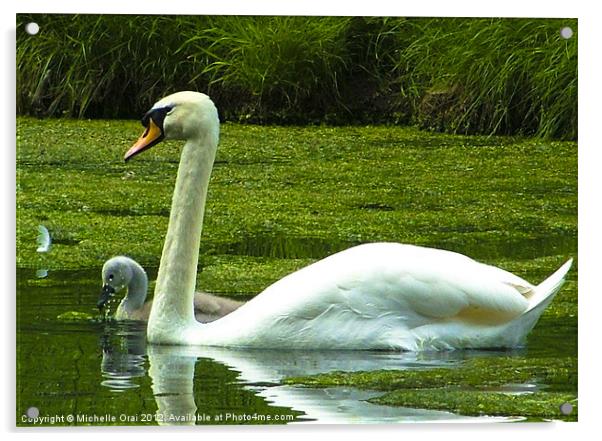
(151,136)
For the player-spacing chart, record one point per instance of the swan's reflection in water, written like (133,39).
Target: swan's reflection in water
(193,385)
(172,375)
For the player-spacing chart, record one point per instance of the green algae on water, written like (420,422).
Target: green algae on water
(313,185)
(76,316)
(481,386)
(531,406)
(282,197)
(478,372)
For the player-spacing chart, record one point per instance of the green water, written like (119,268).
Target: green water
(103,369)
(280,198)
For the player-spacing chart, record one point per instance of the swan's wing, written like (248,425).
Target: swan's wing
(369,296)
(43,239)
(378,279)
(463,287)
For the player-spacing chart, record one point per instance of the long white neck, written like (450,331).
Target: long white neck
(173,303)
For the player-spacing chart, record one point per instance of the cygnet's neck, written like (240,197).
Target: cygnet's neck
(136,294)
(176,280)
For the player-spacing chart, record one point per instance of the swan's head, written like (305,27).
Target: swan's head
(116,276)
(182,115)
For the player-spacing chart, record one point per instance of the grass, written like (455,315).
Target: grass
(287,60)
(493,76)
(482,76)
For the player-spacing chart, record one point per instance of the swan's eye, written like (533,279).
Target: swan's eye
(110,277)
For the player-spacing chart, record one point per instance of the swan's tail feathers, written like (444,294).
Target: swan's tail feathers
(546,290)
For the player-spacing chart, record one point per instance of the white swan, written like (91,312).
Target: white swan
(122,273)
(373,296)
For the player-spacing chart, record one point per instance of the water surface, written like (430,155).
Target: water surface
(103,372)
(279,198)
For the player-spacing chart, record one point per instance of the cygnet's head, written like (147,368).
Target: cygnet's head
(117,273)
(182,115)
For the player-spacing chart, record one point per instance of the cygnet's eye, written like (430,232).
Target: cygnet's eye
(110,277)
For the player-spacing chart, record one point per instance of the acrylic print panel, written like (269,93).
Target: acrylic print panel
(452,134)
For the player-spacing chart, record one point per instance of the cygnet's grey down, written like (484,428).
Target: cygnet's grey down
(120,273)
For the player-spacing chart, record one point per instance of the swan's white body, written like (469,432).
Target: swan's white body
(373,296)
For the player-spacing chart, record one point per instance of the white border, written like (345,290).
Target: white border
(466,8)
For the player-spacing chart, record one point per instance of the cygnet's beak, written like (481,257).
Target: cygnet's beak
(105,295)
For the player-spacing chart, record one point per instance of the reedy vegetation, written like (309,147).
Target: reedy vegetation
(460,75)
